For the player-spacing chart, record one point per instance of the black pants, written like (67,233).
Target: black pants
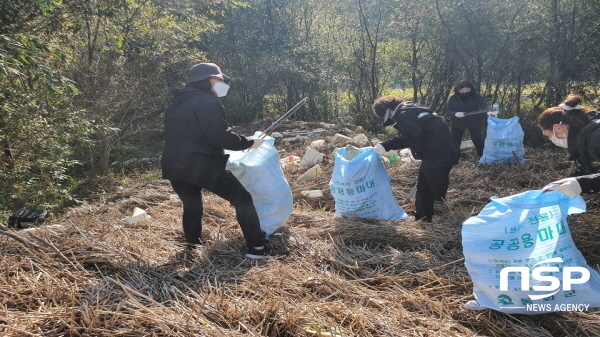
(432,186)
(229,188)
(475,137)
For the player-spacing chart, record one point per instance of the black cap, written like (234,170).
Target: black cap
(203,71)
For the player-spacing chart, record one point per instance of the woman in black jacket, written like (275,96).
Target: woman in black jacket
(429,139)
(465,100)
(196,133)
(577,128)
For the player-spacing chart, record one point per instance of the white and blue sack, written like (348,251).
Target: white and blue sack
(259,171)
(528,231)
(503,142)
(361,188)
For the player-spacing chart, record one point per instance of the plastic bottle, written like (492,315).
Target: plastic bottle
(393,159)
(495,107)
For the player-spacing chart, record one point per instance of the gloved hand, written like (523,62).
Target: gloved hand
(257,142)
(379,149)
(459,114)
(493,113)
(568,186)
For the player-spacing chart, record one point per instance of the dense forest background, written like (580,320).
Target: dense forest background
(84,83)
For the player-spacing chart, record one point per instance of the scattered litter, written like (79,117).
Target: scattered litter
(327,125)
(386,162)
(311,157)
(312,173)
(320,333)
(307,134)
(391,153)
(27,217)
(317,144)
(312,193)
(276,135)
(338,138)
(289,161)
(290,139)
(406,155)
(360,140)
(137,216)
(466,144)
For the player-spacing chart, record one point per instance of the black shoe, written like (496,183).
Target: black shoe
(265,252)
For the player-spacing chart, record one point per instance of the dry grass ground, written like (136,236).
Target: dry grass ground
(86,272)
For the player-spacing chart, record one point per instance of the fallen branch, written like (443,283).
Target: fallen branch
(18,238)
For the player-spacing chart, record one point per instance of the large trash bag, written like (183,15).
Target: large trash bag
(361,188)
(529,234)
(503,142)
(259,171)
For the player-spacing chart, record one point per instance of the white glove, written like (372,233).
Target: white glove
(568,186)
(459,114)
(492,113)
(379,149)
(257,142)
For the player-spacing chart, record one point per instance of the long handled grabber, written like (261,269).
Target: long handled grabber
(477,112)
(282,119)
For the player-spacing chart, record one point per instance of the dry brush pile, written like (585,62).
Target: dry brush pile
(87,272)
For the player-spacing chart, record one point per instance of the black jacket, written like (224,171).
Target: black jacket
(584,148)
(589,183)
(195,135)
(456,104)
(427,136)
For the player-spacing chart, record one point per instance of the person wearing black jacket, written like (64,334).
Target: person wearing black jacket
(465,100)
(429,139)
(196,134)
(577,128)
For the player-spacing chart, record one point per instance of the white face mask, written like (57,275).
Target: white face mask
(561,142)
(221,88)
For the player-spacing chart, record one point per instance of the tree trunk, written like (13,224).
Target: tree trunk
(105,155)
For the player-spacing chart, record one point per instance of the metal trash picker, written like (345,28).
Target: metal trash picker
(495,108)
(477,112)
(282,119)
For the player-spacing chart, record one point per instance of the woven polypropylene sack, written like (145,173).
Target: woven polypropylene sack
(259,171)
(530,231)
(361,188)
(503,142)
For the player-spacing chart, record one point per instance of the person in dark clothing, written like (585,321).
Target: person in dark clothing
(465,100)
(196,134)
(577,128)
(429,139)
